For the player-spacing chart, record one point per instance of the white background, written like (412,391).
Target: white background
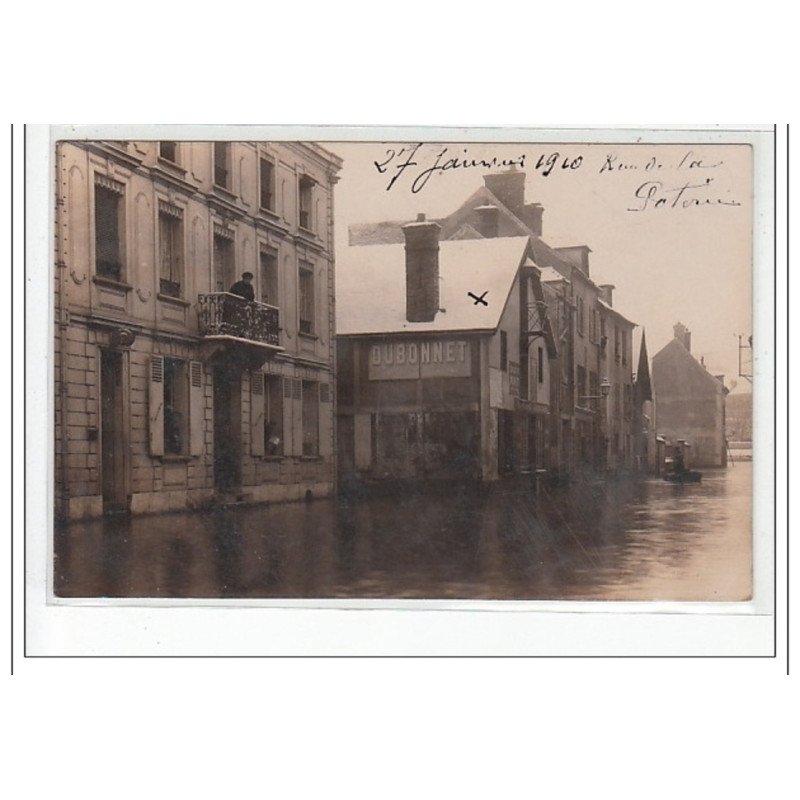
(396,728)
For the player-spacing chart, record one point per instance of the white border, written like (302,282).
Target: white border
(317,627)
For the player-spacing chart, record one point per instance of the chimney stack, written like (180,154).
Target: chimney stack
(422,269)
(607,293)
(531,215)
(509,188)
(488,220)
(683,335)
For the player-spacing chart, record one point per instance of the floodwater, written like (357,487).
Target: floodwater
(603,540)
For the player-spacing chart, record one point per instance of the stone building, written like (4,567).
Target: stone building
(590,418)
(689,401)
(170,391)
(444,352)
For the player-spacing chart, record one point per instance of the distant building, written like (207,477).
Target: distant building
(171,392)
(443,358)
(643,437)
(689,401)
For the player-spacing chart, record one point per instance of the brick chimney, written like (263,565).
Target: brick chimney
(488,220)
(531,215)
(509,188)
(683,335)
(607,293)
(422,269)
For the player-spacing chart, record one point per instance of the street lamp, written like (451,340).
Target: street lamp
(605,388)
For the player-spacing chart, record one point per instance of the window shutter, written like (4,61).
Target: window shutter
(197,428)
(257,413)
(297,417)
(156,405)
(288,405)
(325,421)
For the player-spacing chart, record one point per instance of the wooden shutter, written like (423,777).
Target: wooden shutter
(156,405)
(288,405)
(325,421)
(297,417)
(197,426)
(257,413)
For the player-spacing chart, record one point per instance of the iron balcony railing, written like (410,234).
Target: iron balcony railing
(226,314)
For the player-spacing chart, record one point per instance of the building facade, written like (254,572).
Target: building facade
(171,392)
(689,402)
(435,381)
(590,418)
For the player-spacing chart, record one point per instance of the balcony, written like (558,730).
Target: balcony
(238,329)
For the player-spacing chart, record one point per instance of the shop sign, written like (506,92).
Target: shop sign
(404,360)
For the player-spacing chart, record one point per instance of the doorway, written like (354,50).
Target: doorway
(505,442)
(227,429)
(112,433)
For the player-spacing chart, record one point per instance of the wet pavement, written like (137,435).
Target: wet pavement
(622,540)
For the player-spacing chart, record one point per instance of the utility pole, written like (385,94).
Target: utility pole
(746,364)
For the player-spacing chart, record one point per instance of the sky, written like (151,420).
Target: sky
(669,225)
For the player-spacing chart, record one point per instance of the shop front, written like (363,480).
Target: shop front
(413,411)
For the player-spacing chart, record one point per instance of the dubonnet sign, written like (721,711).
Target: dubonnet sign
(445,358)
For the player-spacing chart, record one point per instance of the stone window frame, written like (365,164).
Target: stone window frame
(118,187)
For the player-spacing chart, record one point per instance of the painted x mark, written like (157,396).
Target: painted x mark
(479,299)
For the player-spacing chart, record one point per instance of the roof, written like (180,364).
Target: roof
(550,275)
(666,371)
(614,311)
(371,286)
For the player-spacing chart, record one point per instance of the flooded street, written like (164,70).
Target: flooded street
(621,540)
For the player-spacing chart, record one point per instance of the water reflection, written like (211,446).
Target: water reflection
(603,540)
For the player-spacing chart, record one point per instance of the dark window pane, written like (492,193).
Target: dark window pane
(108,256)
(306,301)
(221,175)
(267,183)
(169,151)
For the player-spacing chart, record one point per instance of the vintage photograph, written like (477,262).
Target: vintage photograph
(408,369)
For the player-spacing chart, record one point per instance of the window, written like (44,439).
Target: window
(108,228)
(624,347)
(617,348)
(273,416)
(306,300)
(582,393)
(224,266)
(168,151)
(221,164)
(580,316)
(176,406)
(310,418)
(267,184)
(541,365)
(306,186)
(503,351)
(593,326)
(269,278)
(170,234)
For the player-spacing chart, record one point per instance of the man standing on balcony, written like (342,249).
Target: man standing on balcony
(244,287)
